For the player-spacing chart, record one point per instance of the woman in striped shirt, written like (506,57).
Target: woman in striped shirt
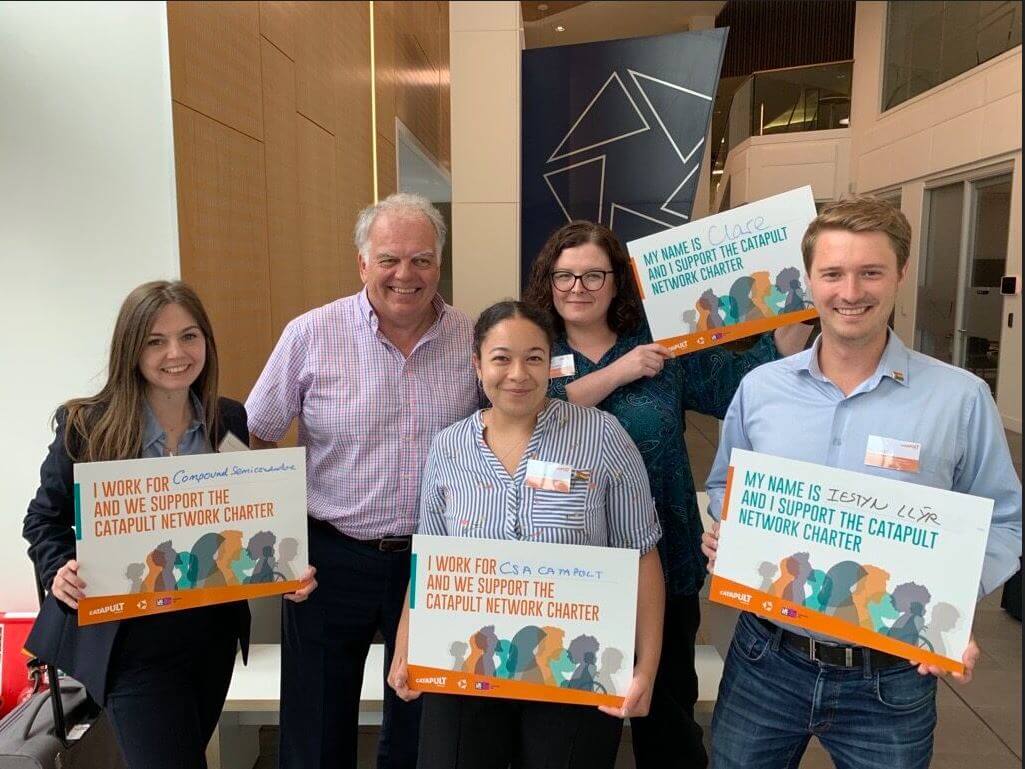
(474,486)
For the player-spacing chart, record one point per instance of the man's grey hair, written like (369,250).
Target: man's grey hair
(403,204)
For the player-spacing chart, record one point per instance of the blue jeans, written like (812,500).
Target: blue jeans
(772,700)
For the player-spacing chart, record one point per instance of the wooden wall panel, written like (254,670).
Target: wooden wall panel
(411,47)
(222,217)
(277,24)
(416,92)
(355,180)
(215,61)
(386,73)
(385,166)
(444,91)
(273,143)
(424,20)
(316,62)
(318,214)
(280,157)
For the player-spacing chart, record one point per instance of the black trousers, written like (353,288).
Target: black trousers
(324,646)
(669,736)
(482,733)
(166,685)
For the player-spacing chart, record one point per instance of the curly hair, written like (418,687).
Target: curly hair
(625,312)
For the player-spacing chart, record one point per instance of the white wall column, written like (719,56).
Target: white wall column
(87,212)
(485,40)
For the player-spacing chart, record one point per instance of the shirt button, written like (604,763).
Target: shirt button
(837,441)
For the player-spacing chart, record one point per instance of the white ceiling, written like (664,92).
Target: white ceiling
(614,20)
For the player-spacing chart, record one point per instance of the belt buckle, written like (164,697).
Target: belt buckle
(393,544)
(849,656)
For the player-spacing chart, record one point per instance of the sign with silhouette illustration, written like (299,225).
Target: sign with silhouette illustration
(522,620)
(727,276)
(171,533)
(873,561)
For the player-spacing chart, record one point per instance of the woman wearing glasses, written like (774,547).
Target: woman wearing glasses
(583,278)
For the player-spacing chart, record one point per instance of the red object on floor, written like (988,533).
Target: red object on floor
(14,677)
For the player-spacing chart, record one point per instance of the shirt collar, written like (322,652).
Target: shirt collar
(369,314)
(153,432)
(552,412)
(893,363)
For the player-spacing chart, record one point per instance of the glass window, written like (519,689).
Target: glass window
(930,42)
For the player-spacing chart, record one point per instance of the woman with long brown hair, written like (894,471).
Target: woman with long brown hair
(162,679)
(583,278)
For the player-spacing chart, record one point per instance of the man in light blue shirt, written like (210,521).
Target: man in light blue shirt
(781,686)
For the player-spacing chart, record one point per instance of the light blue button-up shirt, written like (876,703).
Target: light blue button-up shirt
(193,441)
(788,408)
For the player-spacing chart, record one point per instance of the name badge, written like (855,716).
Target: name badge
(892,454)
(231,442)
(562,365)
(549,476)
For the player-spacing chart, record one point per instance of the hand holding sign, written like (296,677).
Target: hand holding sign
(645,360)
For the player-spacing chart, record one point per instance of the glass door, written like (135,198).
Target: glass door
(982,309)
(960,308)
(936,309)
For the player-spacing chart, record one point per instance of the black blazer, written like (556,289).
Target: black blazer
(56,638)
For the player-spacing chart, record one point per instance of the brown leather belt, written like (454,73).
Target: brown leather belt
(390,544)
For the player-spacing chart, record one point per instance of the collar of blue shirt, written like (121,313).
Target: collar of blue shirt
(892,364)
(153,432)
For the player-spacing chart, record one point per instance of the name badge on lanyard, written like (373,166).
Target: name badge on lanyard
(548,476)
(892,454)
(562,365)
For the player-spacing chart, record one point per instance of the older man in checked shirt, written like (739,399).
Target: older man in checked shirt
(371,378)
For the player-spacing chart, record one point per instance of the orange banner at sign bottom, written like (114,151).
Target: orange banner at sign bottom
(108,608)
(773,607)
(441,681)
(713,337)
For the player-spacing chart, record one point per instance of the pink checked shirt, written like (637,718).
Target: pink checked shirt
(366,414)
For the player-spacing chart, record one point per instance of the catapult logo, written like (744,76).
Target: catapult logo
(110,608)
(744,598)
(433,680)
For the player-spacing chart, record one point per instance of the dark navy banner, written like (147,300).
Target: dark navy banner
(614,132)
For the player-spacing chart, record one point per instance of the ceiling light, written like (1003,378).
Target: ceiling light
(560,28)
(717,173)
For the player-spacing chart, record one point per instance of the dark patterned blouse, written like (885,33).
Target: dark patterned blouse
(652,411)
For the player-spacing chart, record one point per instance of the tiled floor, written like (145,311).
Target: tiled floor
(980,725)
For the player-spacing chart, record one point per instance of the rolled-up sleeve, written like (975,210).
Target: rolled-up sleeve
(277,397)
(630,509)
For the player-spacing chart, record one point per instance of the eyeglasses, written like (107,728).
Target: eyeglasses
(592,280)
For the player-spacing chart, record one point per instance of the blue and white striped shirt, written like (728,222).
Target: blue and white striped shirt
(467,492)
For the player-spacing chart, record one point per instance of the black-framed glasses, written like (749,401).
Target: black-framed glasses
(592,280)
